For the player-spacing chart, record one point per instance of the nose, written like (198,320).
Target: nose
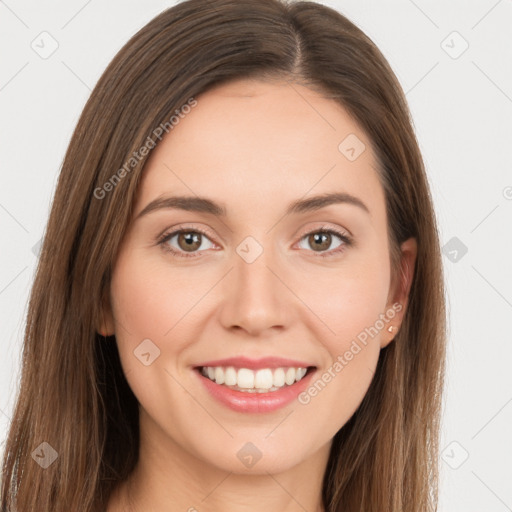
(255,298)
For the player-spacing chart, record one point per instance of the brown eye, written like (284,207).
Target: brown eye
(187,244)
(189,240)
(320,242)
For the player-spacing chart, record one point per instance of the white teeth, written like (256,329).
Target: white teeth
(219,375)
(289,377)
(245,378)
(263,379)
(230,376)
(300,373)
(259,381)
(279,377)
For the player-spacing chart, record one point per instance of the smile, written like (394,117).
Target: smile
(263,380)
(260,389)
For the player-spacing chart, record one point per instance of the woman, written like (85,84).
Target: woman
(239,302)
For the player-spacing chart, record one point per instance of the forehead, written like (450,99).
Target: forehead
(252,144)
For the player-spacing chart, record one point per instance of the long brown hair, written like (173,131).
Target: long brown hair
(73,394)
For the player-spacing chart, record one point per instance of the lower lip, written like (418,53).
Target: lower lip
(242,401)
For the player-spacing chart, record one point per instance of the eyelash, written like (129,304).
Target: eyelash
(162,240)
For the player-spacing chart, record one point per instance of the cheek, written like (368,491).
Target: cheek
(147,304)
(351,306)
(356,306)
(346,309)
(150,302)
(346,301)
(141,294)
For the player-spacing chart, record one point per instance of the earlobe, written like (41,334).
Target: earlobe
(399,294)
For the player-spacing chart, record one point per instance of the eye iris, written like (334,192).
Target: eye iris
(191,239)
(320,238)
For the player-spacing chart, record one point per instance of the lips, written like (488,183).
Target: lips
(255,385)
(245,402)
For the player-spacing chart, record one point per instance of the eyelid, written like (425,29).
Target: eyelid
(325,226)
(173,230)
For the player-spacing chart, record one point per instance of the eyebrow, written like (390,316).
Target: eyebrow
(205,205)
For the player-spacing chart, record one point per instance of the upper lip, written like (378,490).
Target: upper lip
(264,362)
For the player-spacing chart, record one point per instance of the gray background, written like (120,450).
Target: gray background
(461,102)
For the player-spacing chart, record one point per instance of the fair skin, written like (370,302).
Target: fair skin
(254,147)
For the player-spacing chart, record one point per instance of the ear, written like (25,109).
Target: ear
(106,326)
(398,297)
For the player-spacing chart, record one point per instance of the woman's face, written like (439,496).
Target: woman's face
(260,281)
